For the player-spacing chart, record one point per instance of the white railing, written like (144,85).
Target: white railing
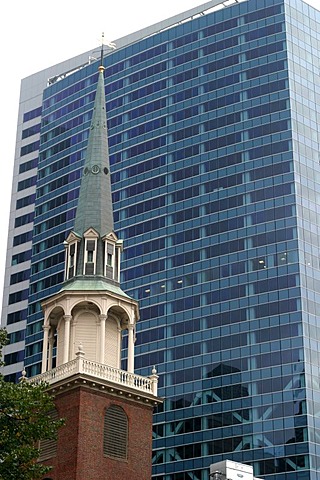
(99,371)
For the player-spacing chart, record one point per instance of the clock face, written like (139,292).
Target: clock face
(95,169)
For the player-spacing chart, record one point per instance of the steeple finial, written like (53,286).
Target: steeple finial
(101,57)
(111,45)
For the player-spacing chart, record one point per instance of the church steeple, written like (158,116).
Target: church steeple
(91,309)
(92,248)
(95,202)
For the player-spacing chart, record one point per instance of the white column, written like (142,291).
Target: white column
(51,342)
(45,348)
(103,319)
(130,348)
(154,378)
(67,320)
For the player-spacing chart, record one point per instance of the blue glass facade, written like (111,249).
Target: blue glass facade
(214,149)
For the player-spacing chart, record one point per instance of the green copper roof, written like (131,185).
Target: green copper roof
(90,284)
(95,201)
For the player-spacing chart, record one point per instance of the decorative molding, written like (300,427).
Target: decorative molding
(99,371)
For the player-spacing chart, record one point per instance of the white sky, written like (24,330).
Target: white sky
(35,34)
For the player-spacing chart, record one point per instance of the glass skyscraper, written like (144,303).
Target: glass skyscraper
(213,125)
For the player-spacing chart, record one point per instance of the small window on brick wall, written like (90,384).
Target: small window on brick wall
(115,439)
(48,448)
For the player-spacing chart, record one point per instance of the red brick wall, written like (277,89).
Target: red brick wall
(80,440)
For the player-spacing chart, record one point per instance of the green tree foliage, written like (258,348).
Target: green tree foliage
(24,421)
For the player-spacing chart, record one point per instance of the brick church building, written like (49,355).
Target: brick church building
(107,408)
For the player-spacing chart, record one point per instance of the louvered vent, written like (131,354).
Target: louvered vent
(91,245)
(48,448)
(89,268)
(115,441)
(109,271)
(112,353)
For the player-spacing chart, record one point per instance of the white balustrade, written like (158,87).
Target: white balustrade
(101,371)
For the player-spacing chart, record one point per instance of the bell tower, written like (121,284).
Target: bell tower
(107,407)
